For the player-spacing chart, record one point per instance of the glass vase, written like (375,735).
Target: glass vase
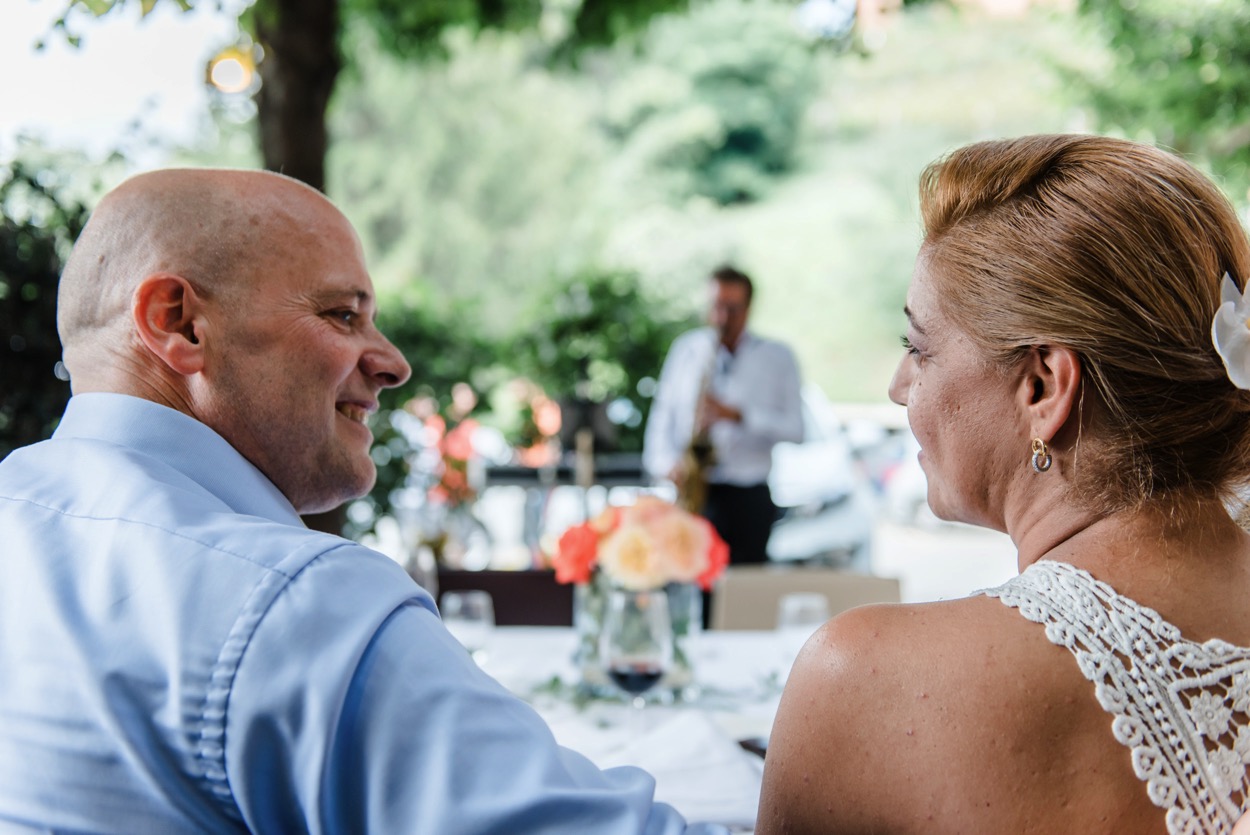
(685,605)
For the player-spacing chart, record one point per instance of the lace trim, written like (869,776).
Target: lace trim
(1182,708)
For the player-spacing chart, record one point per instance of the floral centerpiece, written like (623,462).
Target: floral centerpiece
(648,545)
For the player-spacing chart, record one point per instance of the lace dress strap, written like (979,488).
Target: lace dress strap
(1181,708)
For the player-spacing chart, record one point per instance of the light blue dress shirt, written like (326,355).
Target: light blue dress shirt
(760,379)
(178,654)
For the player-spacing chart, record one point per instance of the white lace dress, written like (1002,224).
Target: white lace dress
(1182,708)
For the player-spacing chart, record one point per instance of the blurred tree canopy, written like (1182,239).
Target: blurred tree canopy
(480,178)
(37,229)
(1179,75)
(714,100)
(490,174)
(302,43)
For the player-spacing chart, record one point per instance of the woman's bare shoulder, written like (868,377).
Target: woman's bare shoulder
(891,709)
(920,643)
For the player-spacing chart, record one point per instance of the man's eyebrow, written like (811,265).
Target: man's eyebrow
(912,319)
(338,296)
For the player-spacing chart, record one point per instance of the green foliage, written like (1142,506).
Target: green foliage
(601,338)
(443,343)
(416,30)
(601,335)
(444,346)
(479,177)
(604,21)
(1179,75)
(99,8)
(716,98)
(37,228)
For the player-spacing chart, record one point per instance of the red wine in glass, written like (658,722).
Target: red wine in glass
(636,643)
(635,678)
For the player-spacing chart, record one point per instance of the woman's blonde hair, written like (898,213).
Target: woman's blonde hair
(1116,250)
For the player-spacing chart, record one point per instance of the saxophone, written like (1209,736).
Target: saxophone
(699,455)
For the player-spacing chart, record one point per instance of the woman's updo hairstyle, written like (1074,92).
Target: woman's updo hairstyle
(1116,250)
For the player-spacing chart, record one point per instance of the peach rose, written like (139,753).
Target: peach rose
(643,546)
(681,546)
(646,511)
(629,557)
(606,522)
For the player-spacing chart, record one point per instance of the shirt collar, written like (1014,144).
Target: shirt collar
(743,341)
(179,441)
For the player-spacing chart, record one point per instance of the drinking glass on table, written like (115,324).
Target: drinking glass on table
(799,615)
(636,644)
(470,617)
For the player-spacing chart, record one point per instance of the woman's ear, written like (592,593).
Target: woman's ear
(169,319)
(1050,388)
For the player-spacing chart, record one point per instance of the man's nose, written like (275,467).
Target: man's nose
(386,364)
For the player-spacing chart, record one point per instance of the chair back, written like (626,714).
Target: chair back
(520,598)
(747,596)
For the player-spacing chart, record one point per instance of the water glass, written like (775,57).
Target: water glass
(799,615)
(470,617)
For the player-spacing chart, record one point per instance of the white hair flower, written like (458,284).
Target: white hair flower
(1230,331)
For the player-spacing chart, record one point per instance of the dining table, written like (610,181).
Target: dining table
(703,745)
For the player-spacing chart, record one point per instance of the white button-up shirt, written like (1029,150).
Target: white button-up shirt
(760,379)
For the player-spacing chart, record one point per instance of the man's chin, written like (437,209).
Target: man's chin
(349,488)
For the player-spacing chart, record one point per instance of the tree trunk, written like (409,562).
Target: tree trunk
(298,73)
(301,65)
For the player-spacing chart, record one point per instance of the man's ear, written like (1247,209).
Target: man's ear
(1050,389)
(169,318)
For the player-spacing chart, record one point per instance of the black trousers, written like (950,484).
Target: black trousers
(744,517)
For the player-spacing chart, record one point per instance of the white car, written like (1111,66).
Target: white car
(823,492)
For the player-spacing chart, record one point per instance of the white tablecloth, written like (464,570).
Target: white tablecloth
(690,748)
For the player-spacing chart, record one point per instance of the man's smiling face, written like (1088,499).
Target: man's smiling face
(295,361)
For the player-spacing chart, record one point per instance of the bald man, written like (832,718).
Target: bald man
(178,653)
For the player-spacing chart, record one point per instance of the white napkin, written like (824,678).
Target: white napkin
(698,769)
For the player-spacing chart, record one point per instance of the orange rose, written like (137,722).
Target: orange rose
(575,554)
(717,557)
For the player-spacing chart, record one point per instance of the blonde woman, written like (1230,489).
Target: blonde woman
(1062,379)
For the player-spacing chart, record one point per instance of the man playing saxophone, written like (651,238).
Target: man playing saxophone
(725,397)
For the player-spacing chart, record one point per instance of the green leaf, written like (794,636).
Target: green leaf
(97,7)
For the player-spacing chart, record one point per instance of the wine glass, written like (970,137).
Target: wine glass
(470,617)
(636,645)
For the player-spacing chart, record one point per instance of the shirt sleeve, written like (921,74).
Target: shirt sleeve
(661,447)
(337,727)
(777,414)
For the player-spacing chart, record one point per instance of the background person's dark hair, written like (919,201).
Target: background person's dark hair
(726,274)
